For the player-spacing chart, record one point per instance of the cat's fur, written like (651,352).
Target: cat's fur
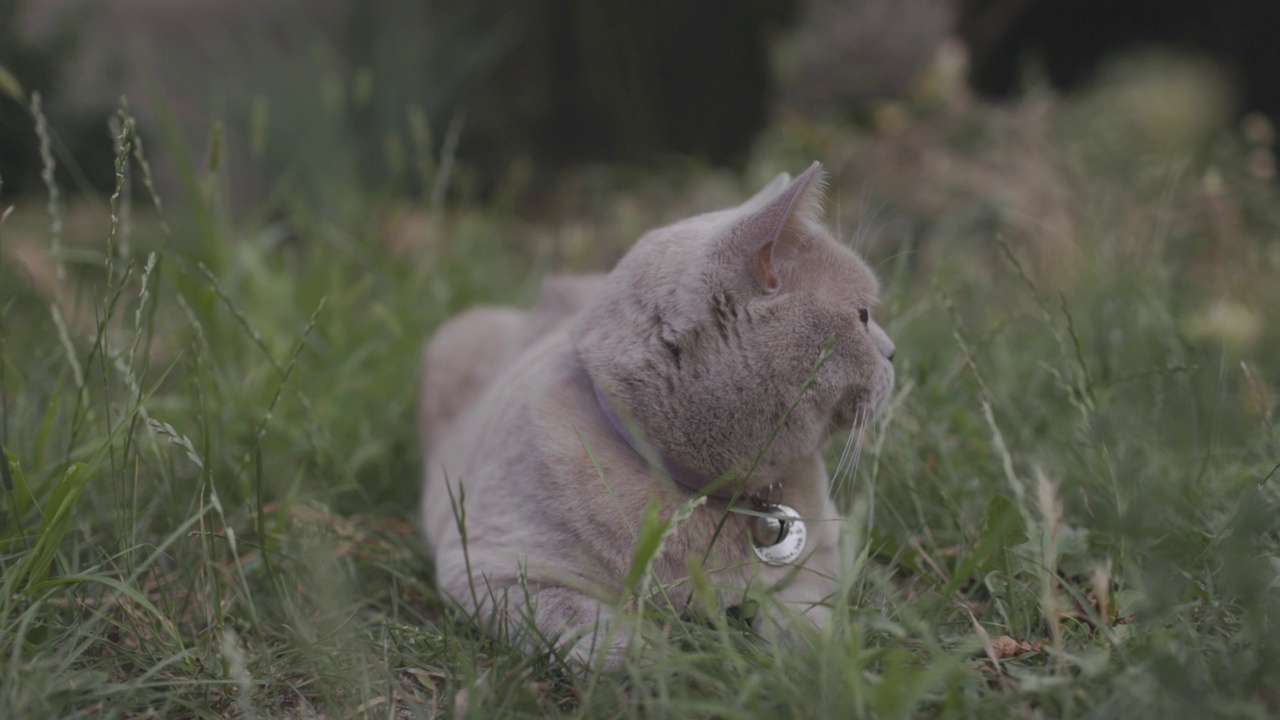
(703,337)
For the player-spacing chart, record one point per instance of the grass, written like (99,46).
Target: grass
(1071,511)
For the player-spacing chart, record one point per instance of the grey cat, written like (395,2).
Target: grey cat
(705,371)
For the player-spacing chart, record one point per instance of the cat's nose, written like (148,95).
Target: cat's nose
(882,341)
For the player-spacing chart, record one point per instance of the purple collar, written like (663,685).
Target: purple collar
(681,475)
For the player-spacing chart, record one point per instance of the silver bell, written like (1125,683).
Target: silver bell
(769,530)
(779,537)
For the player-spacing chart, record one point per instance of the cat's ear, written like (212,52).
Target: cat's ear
(767,192)
(772,226)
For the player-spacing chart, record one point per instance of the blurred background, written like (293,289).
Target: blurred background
(1081,136)
(312,95)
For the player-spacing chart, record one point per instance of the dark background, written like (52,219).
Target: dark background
(542,84)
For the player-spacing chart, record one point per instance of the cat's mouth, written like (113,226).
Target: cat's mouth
(854,416)
(863,405)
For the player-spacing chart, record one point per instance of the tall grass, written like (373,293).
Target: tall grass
(1072,510)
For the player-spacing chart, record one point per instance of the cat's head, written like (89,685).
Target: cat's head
(708,330)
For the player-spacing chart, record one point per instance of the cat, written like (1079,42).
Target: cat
(707,369)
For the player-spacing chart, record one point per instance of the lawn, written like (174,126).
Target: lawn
(1071,508)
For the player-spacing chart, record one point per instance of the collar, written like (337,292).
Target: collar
(688,479)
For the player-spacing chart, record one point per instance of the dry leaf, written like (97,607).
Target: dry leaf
(1006,647)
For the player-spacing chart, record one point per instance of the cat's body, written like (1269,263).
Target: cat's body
(702,339)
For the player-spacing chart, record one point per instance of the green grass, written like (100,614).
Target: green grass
(212,471)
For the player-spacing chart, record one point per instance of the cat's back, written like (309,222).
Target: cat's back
(468,352)
(462,359)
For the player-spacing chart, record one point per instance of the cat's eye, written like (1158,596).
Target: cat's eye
(864,316)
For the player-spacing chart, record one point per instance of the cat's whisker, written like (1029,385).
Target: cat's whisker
(893,257)
(857,450)
(844,455)
(837,475)
(864,419)
(839,218)
(867,218)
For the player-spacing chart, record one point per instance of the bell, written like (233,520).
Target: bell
(779,537)
(769,530)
